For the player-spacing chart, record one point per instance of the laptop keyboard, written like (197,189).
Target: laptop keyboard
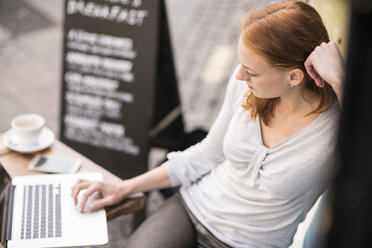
(41,211)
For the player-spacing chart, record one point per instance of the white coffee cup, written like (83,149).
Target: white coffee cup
(27,128)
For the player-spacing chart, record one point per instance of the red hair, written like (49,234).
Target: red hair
(285,34)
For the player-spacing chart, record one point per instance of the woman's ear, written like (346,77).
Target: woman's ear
(296,77)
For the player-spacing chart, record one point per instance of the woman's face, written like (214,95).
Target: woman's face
(264,80)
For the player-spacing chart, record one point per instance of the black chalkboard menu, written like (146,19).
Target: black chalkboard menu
(108,81)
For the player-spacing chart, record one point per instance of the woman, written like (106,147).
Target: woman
(267,157)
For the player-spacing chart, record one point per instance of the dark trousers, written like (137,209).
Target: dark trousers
(173,226)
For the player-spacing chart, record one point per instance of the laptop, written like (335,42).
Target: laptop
(38,211)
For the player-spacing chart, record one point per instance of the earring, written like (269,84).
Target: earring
(291,86)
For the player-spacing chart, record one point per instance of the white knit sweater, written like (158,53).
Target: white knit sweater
(246,194)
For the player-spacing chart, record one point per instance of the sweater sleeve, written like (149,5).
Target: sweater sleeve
(192,164)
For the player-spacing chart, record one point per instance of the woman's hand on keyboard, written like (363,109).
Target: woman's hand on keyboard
(156,178)
(111,193)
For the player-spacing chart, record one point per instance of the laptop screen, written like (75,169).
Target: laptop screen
(4,192)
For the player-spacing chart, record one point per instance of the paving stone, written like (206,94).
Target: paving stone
(19,17)
(37,44)
(11,53)
(9,109)
(52,9)
(27,76)
(4,33)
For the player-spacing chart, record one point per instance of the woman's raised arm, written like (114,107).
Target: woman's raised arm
(325,64)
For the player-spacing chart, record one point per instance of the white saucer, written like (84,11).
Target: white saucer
(46,139)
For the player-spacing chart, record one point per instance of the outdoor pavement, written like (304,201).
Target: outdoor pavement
(204,37)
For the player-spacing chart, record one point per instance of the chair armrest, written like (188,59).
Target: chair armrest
(125,207)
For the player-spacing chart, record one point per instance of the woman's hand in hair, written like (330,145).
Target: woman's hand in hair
(325,64)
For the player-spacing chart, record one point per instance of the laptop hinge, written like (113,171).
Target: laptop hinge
(10,214)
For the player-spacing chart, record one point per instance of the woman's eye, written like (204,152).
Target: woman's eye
(249,74)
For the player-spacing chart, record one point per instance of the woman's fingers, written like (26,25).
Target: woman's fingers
(319,81)
(325,64)
(108,192)
(313,73)
(100,203)
(311,64)
(94,187)
(79,185)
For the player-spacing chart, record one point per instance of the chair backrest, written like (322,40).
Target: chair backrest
(308,231)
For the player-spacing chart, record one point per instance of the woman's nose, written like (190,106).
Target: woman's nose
(241,75)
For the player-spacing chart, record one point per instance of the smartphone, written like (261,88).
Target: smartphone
(52,164)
